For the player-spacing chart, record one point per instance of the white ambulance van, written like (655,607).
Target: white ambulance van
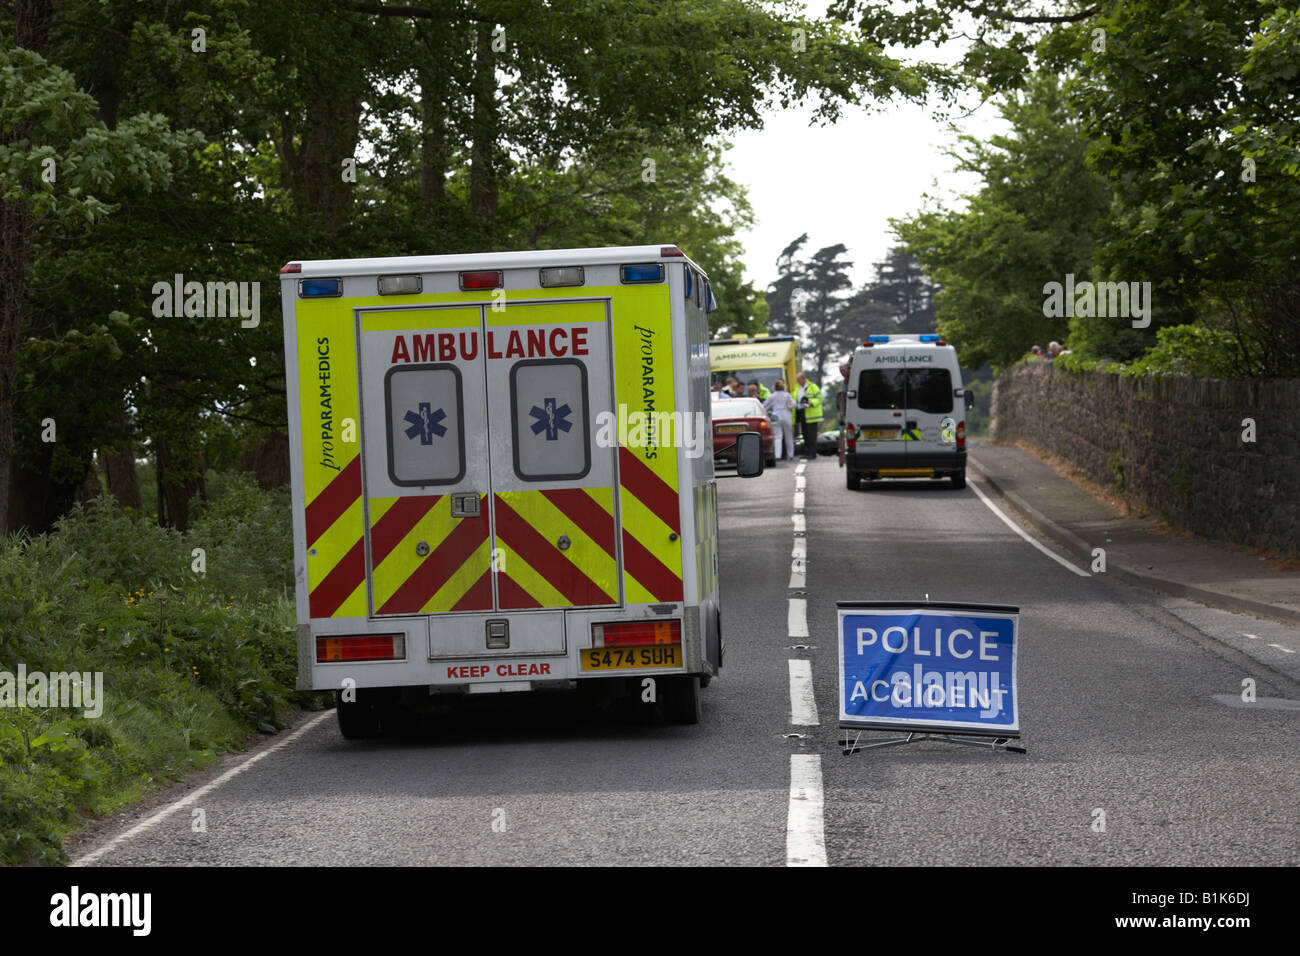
(502,471)
(905,411)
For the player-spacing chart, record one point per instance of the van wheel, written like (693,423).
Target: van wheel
(681,702)
(959,479)
(358,719)
(853,479)
(769,461)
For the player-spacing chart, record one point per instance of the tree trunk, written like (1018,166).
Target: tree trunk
(90,487)
(268,460)
(31,31)
(174,495)
(433,145)
(482,174)
(121,477)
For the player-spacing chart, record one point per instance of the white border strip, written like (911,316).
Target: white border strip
(1024,534)
(189,798)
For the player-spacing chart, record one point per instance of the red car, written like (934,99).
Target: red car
(734,415)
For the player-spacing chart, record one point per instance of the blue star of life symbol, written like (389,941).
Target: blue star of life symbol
(550,419)
(425,423)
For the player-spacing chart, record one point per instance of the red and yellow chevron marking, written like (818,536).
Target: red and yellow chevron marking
(648,502)
(652,559)
(706,542)
(535,571)
(454,576)
(331,466)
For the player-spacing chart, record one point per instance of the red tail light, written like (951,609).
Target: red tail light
(961,434)
(360,647)
(637,633)
(850,438)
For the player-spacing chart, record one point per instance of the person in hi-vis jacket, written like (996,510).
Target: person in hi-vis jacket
(808,408)
(781,404)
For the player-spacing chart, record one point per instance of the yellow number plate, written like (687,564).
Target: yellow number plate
(721,429)
(879,433)
(619,658)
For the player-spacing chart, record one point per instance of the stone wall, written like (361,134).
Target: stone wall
(1173,447)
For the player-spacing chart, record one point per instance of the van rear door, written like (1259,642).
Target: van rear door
(930,419)
(880,403)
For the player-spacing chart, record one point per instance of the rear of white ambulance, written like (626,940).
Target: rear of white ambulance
(476,511)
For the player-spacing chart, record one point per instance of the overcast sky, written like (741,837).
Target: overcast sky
(843,183)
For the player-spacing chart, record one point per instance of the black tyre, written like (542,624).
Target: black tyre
(358,719)
(681,699)
(853,479)
(769,461)
(959,479)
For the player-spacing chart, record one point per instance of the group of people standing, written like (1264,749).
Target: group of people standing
(804,409)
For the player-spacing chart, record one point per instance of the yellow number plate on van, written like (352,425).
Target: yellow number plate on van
(617,658)
(878,433)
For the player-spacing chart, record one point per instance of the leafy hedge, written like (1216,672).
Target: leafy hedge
(1190,350)
(192,662)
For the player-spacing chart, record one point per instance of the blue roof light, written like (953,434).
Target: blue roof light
(877,338)
(930,338)
(642,272)
(309,288)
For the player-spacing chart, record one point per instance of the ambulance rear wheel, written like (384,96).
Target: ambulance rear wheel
(681,699)
(358,719)
(853,479)
(959,479)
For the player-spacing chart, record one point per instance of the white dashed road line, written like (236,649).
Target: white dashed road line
(798,618)
(803,708)
(805,835)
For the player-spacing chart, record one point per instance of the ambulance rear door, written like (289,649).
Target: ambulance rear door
(486,493)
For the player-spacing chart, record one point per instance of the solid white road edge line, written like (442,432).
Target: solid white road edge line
(805,835)
(797,620)
(803,706)
(189,798)
(1024,534)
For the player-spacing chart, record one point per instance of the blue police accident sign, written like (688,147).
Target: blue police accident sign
(949,668)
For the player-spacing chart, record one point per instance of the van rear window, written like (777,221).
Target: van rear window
(916,389)
(881,388)
(929,390)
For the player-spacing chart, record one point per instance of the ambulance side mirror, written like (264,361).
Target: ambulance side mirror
(749,454)
(970,400)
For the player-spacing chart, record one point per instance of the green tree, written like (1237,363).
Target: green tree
(1032,221)
(61,166)
(902,286)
